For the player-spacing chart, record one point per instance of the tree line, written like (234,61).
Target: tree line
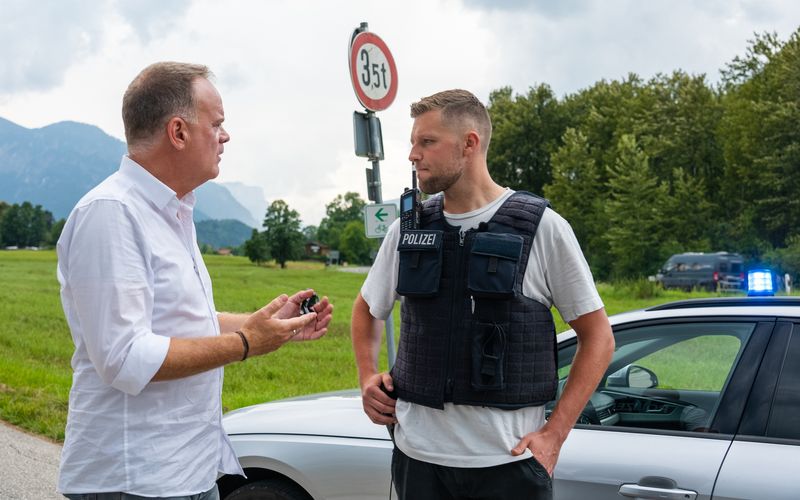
(645,169)
(24,225)
(342,229)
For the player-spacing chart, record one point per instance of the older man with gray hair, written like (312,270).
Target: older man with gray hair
(145,413)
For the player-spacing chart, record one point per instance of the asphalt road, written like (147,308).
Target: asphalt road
(355,269)
(28,466)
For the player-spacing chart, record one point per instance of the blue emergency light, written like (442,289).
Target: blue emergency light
(760,282)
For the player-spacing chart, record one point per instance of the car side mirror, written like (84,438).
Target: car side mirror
(633,376)
(641,378)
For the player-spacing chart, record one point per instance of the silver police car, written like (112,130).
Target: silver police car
(701,401)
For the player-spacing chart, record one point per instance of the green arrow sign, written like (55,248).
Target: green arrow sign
(378,218)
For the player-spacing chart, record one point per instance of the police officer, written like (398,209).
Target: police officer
(476,360)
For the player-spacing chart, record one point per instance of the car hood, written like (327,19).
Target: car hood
(337,414)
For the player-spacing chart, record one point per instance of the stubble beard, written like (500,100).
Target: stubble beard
(445,180)
(434,185)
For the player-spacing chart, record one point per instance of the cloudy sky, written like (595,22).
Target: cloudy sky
(282,69)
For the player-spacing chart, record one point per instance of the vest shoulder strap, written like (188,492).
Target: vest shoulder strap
(521,212)
(433,213)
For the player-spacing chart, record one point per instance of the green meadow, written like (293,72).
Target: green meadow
(36,347)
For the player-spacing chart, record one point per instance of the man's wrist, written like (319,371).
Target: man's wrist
(245,344)
(364,376)
(556,429)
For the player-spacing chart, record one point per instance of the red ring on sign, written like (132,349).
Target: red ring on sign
(369,103)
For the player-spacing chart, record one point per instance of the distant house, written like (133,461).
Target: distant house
(315,248)
(224,251)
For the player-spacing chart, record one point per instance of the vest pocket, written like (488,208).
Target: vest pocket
(494,265)
(488,356)
(420,263)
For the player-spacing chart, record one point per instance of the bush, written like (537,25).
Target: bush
(637,289)
(786,260)
(315,258)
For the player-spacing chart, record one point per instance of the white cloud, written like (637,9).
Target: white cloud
(41,41)
(600,39)
(150,19)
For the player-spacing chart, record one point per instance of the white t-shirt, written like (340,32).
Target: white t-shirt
(475,436)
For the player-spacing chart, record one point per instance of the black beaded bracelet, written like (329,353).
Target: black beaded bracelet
(245,343)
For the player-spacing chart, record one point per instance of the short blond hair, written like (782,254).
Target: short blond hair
(161,91)
(460,110)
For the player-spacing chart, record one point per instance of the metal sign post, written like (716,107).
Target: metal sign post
(374,77)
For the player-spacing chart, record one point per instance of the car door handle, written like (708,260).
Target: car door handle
(654,492)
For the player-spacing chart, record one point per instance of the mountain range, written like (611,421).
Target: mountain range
(54,166)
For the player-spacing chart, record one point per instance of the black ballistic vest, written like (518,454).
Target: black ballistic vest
(468,335)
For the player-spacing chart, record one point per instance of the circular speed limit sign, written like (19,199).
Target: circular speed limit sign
(372,71)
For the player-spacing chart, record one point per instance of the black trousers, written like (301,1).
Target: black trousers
(524,479)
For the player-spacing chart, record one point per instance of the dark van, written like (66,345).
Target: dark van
(709,271)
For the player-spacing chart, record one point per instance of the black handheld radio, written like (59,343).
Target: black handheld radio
(410,206)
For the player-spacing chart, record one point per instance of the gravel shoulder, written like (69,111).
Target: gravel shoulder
(28,465)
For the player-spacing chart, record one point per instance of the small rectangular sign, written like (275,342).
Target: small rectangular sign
(378,218)
(367,136)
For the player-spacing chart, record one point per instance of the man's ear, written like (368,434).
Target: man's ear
(472,143)
(178,132)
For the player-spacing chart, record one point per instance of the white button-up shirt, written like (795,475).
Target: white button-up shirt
(131,278)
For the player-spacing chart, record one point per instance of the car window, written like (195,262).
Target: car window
(665,376)
(784,419)
(697,364)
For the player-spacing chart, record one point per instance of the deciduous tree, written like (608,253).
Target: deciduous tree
(256,248)
(526,130)
(338,213)
(354,245)
(282,232)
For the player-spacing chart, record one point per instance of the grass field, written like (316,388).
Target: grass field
(35,343)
